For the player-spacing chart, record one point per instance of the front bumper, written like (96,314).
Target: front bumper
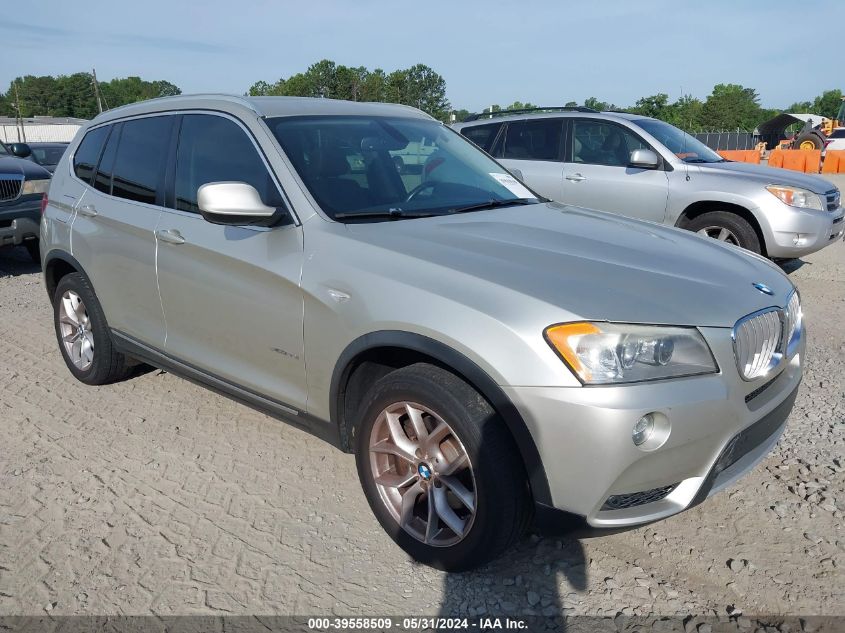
(791,232)
(19,220)
(583,435)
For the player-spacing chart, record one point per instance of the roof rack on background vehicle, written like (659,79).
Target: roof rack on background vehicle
(481,115)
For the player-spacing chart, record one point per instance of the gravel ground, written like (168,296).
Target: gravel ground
(157,496)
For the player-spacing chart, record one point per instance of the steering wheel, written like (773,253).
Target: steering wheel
(431,184)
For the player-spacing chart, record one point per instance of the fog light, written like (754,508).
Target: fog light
(643,429)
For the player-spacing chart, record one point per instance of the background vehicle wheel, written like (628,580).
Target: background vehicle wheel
(32,247)
(809,140)
(440,469)
(726,227)
(83,334)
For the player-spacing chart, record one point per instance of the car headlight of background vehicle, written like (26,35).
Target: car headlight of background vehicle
(797,197)
(35,186)
(610,353)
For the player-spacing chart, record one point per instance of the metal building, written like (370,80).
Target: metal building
(39,128)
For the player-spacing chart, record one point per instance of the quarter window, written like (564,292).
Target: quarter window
(88,152)
(483,135)
(602,143)
(141,157)
(215,149)
(537,139)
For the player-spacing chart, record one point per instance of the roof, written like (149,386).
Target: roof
(610,116)
(263,106)
(783,120)
(43,120)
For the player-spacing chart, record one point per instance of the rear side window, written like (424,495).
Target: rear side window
(141,157)
(537,139)
(102,181)
(88,153)
(483,135)
(215,149)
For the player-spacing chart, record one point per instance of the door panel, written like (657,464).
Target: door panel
(533,146)
(597,176)
(544,177)
(113,238)
(232,300)
(233,304)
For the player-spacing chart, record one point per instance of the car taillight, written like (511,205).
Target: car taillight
(44,202)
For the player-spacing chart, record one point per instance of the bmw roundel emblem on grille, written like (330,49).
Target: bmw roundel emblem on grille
(763,288)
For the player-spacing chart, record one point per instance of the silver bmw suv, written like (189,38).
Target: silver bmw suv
(491,358)
(647,169)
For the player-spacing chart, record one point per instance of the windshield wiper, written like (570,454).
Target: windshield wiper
(493,204)
(393,214)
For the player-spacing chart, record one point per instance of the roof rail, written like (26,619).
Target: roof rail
(480,115)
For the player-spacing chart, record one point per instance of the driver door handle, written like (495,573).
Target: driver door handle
(576,177)
(88,210)
(171,236)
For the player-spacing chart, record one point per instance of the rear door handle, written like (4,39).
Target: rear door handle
(171,236)
(576,177)
(88,210)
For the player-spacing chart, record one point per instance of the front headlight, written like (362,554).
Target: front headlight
(610,353)
(35,186)
(796,197)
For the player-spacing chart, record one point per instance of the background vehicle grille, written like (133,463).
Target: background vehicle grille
(757,343)
(10,187)
(631,499)
(832,198)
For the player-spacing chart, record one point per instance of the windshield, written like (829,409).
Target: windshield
(688,148)
(361,167)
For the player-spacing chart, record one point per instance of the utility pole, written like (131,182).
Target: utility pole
(97,90)
(19,116)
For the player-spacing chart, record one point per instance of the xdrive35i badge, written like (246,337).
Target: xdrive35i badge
(763,288)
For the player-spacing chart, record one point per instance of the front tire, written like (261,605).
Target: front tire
(727,227)
(83,334)
(440,469)
(810,140)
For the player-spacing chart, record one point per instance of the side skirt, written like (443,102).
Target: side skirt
(322,429)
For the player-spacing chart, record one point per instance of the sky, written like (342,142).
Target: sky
(545,52)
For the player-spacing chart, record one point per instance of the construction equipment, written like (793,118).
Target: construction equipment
(816,137)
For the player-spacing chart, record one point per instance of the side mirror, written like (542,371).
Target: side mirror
(21,150)
(233,203)
(644,159)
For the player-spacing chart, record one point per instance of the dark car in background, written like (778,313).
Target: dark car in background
(47,154)
(22,186)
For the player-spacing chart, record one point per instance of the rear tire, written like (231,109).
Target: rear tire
(809,141)
(728,227)
(83,334)
(460,517)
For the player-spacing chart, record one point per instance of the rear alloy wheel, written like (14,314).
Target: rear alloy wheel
(83,334)
(440,469)
(727,227)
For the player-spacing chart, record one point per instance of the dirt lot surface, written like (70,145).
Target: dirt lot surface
(157,496)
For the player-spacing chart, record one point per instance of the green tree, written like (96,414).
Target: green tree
(374,86)
(827,104)
(732,107)
(685,113)
(656,106)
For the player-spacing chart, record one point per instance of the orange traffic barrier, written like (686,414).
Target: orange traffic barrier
(741,155)
(834,162)
(803,160)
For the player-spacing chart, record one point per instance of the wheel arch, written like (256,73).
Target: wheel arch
(703,206)
(373,355)
(58,264)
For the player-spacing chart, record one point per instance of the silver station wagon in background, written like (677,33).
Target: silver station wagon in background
(645,168)
(489,357)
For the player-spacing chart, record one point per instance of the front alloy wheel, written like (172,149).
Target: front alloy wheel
(423,474)
(440,469)
(76,330)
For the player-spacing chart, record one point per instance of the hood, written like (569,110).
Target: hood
(17,166)
(586,264)
(769,175)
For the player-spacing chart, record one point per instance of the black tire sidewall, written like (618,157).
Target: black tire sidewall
(470,425)
(100,369)
(745,233)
